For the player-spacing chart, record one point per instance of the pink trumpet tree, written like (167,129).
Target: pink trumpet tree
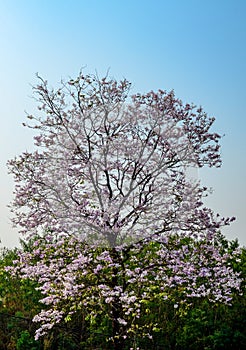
(106,200)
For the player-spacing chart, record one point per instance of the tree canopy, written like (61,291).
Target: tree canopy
(105,198)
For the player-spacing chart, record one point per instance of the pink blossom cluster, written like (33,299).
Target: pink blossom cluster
(75,276)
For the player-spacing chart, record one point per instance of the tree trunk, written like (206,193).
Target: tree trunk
(117,312)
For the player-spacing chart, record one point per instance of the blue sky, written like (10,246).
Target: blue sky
(197,48)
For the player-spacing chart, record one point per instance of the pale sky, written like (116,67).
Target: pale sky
(196,47)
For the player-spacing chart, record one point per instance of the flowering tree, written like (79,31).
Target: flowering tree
(106,199)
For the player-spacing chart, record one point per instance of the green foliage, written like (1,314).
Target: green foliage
(18,304)
(217,326)
(26,341)
(166,325)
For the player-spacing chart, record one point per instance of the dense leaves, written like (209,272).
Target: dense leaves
(201,325)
